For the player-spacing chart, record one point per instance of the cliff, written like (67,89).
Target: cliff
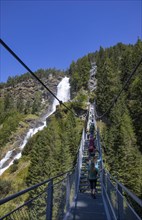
(23,102)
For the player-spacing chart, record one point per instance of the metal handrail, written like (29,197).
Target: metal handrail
(132,195)
(24,204)
(119,189)
(8,198)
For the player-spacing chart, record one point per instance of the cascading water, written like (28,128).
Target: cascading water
(63,94)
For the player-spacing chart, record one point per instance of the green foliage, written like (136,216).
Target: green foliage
(20,103)
(135,96)
(108,84)
(41,73)
(79,102)
(53,150)
(2,112)
(79,74)
(122,134)
(92,97)
(14,166)
(36,103)
(12,119)
(5,187)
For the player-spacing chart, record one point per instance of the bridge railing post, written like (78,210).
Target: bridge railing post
(108,188)
(120,202)
(68,193)
(104,178)
(49,201)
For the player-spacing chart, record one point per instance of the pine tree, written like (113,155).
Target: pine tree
(108,84)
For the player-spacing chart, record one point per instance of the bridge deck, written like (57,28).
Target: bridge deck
(88,208)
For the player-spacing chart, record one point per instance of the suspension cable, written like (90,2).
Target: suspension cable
(125,84)
(32,73)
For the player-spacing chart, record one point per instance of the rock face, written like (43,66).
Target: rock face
(23,95)
(26,92)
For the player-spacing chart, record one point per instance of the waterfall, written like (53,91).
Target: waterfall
(63,94)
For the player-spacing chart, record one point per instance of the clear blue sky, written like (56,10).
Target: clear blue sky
(48,34)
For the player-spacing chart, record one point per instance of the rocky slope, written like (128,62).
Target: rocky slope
(27,89)
(32,100)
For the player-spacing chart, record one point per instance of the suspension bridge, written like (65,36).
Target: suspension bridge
(67,196)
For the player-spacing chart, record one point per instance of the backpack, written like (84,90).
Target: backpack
(93,172)
(91,149)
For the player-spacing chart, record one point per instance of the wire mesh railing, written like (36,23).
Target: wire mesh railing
(116,196)
(51,201)
(121,203)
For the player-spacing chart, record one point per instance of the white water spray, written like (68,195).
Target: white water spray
(63,94)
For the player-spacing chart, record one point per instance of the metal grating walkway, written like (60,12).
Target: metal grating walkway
(88,208)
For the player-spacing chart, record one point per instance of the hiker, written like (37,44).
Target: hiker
(88,162)
(92,177)
(91,151)
(96,161)
(92,128)
(92,148)
(87,134)
(91,136)
(91,142)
